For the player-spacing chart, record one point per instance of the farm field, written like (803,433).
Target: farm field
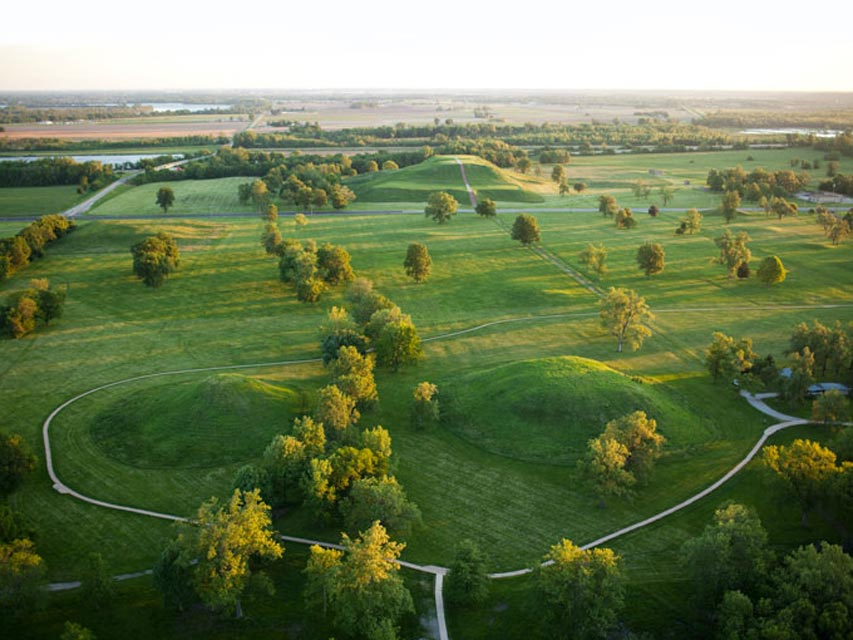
(135,128)
(25,201)
(475,476)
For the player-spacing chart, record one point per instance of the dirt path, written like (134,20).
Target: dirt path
(471,193)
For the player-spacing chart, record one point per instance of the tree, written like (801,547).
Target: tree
(625,219)
(16,462)
(165,198)
(467,581)
(782,207)
(666,194)
(730,204)
(638,433)
(651,258)
(398,344)
(155,258)
(173,578)
(425,407)
(624,314)
(319,198)
(271,239)
(581,591)
(74,631)
(259,194)
(580,186)
(390,165)
(564,187)
(718,356)
(523,164)
(654,211)
(525,229)
(97,584)
(831,406)
(225,540)
(21,573)
(19,316)
(50,302)
(771,270)
(486,208)
(641,189)
(441,206)
(604,468)
(730,554)
(379,500)
(733,250)
(558,174)
(365,593)
(418,262)
(796,385)
(595,257)
(300,221)
(371,166)
(691,223)
(333,264)
(336,410)
(270,213)
(341,196)
(607,205)
(352,373)
(807,467)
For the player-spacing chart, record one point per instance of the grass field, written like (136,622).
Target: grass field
(24,201)
(225,307)
(191,196)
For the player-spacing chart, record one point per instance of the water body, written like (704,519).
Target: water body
(105,159)
(163,107)
(818,133)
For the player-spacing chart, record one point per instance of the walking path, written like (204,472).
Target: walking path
(471,193)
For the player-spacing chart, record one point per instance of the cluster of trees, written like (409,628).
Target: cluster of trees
(155,258)
(25,310)
(831,347)
(309,268)
(48,172)
(623,455)
(29,244)
(62,144)
(838,183)
(625,219)
(728,359)
(548,155)
(745,591)
(734,254)
(758,183)
(583,138)
(836,228)
(376,323)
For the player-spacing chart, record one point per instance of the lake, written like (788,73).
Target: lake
(106,159)
(162,107)
(819,133)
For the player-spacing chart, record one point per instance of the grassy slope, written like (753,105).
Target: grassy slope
(224,306)
(24,201)
(441,173)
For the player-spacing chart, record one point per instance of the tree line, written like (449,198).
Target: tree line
(757,183)
(61,144)
(29,244)
(48,172)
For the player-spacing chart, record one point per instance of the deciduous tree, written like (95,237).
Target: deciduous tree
(625,315)
(425,407)
(486,208)
(155,258)
(730,204)
(441,206)
(379,500)
(772,271)
(165,198)
(525,229)
(595,257)
(467,582)
(418,262)
(831,406)
(733,250)
(607,205)
(651,258)
(16,462)
(21,573)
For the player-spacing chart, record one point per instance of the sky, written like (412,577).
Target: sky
(610,44)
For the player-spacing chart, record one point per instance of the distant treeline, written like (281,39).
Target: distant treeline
(235,162)
(757,183)
(839,120)
(19,114)
(586,136)
(55,144)
(18,251)
(48,172)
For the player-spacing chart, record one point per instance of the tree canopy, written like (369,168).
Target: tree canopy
(525,229)
(155,258)
(625,314)
(441,206)
(418,262)
(165,198)
(651,258)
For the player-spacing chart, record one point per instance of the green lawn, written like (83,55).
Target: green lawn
(225,306)
(37,201)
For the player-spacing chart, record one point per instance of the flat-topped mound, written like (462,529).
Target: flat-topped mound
(206,422)
(440,173)
(546,410)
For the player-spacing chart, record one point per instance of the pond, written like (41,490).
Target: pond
(818,133)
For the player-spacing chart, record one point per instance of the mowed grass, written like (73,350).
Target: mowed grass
(37,201)
(191,196)
(225,307)
(617,174)
(440,173)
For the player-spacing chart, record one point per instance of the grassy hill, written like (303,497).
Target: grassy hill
(546,410)
(441,173)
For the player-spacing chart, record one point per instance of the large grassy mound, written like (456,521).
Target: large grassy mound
(440,173)
(217,420)
(546,410)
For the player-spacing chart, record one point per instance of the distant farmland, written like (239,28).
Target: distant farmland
(128,130)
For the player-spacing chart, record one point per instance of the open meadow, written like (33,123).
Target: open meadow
(522,391)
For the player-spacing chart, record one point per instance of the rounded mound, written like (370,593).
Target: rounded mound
(207,422)
(547,410)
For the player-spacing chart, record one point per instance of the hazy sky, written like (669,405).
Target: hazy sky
(722,44)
